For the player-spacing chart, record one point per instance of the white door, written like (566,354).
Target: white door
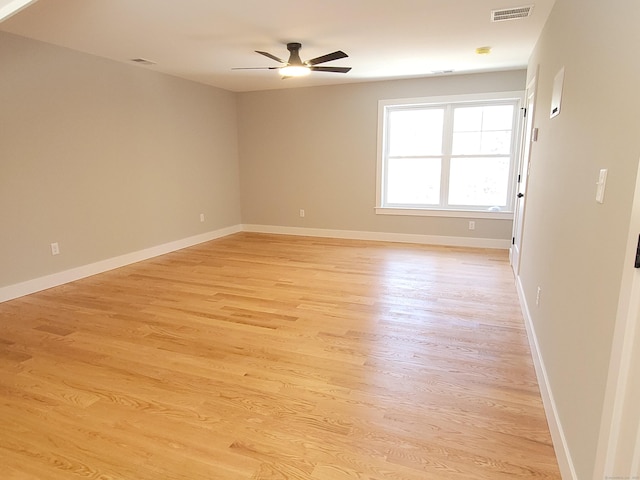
(523,175)
(619,448)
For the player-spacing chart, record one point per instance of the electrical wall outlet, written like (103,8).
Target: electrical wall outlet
(55,248)
(538,293)
(472,225)
(202,217)
(301,212)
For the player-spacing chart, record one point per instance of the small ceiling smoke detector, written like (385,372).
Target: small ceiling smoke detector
(142,61)
(514,13)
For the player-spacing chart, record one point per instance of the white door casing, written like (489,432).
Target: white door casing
(523,175)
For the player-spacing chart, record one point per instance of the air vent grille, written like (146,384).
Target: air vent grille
(511,13)
(142,61)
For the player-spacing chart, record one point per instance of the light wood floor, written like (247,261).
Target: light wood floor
(275,357)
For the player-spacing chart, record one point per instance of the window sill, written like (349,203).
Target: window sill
(424,212)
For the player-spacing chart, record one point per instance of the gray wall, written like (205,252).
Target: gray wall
(106,159)
(315,149)
(573,247)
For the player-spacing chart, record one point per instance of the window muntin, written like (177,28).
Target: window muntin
(453,155)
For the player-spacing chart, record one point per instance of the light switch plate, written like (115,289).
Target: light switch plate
(601,184)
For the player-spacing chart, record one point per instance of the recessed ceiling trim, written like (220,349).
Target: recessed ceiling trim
(514,13)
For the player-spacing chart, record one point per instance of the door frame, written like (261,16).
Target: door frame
(515,251)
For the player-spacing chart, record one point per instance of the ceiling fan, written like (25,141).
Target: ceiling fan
(295,67)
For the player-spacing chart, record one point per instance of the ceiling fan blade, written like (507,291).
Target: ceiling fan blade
(272,57)
(331,69)
(327,58)
(255,68)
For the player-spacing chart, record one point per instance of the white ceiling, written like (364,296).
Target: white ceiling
(202,40)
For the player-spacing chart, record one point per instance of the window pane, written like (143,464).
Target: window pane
(467,143)
(485,129)
(472,143)
(413,181)
(499,117)
(496,142)
(415,132)
(468,119)
(479,181)
(496,117)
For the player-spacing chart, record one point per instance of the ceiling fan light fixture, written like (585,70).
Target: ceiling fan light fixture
(295,71)
(295,67)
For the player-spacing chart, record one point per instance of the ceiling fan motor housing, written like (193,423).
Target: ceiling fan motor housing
(294,57)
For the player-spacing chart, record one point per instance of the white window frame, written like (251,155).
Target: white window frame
(516,97)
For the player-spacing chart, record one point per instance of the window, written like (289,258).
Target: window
(448,156)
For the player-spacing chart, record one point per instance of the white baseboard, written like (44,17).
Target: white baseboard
(560,445)
(42,283)
(382,236)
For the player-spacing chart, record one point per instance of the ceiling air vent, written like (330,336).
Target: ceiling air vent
(511,13)
(142,61)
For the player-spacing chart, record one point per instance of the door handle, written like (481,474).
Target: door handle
(520,195)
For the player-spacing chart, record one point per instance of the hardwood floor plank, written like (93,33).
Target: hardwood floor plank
(276,357)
